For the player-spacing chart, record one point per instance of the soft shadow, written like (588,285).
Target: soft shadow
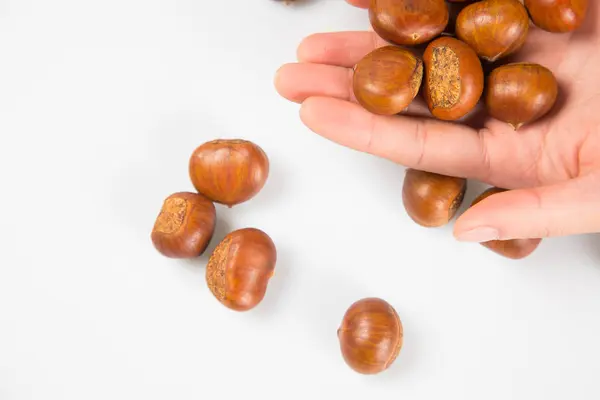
(589,29)
(222,228)
(592,247)
(408,359)
(276,297)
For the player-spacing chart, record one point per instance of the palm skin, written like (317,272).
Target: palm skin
(553,164)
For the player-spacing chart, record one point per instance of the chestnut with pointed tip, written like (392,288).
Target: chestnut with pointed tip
(520,93)
(371,336)
(493,28)
(515,249)
(229,171)
(184,226)
(453,78)
(387,80)
(240,267)
(430,199)
(558,16)
(408,22)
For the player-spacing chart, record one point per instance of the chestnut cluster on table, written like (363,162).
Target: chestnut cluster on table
(459,38)
(228,172)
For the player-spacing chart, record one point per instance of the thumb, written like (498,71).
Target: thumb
(568,208)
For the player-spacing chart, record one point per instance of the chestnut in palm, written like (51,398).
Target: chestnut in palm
(387,80)
(430,199)
(520,93)
(558,16)
(229,171)
(453,78)
(370,336)
(184,226)
(515,248)
(408,22)
(493,28)
(240,267)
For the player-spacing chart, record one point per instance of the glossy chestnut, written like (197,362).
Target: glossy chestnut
(229,171)
(408,22)
(387,80)
(493,28)
(240,267)
(453,78)
(520,93)
(184,226)
(370,336)
(558,16)
(515,248)
(430,199)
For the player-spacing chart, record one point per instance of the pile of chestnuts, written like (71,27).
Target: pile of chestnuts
(454,52)
(227,172)
(450,74)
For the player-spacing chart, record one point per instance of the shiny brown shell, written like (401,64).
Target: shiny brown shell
(408,22)
(370,336)
(387,80)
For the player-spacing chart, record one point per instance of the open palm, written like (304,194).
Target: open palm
(553,165)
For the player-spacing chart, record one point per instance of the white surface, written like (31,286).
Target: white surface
(101,104)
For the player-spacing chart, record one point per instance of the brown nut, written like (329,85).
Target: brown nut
(387,80)
(493,28)
(240,268)
(184,226)
(408,22)
(520,93)
(557,16)
(430,199)
(453,78)
(229,171)
(515,248)
(370,336)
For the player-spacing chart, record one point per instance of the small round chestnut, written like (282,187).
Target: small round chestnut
(430,199)
(387,80)
(493,28)
(371,336)
(453,78)
(229,171)
(184,226)
(515,248)
(520,93)
(240,267)
(558,16)
(408,22)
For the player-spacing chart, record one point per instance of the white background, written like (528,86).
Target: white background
(101,104)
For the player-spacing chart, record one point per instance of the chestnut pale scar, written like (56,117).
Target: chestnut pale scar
(215,269)
(444,78)
(171,216)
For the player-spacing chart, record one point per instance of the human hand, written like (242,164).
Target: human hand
(551,166)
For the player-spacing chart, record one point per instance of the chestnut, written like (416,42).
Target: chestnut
(453,78)
(558,16)
(493,28)
(408,22)
(515,248)
(240,268)
(184,226)
(430,199)
(229,171)
(370,336)
(520,93)
(387,80)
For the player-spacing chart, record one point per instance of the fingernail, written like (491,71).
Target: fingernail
(479,235)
